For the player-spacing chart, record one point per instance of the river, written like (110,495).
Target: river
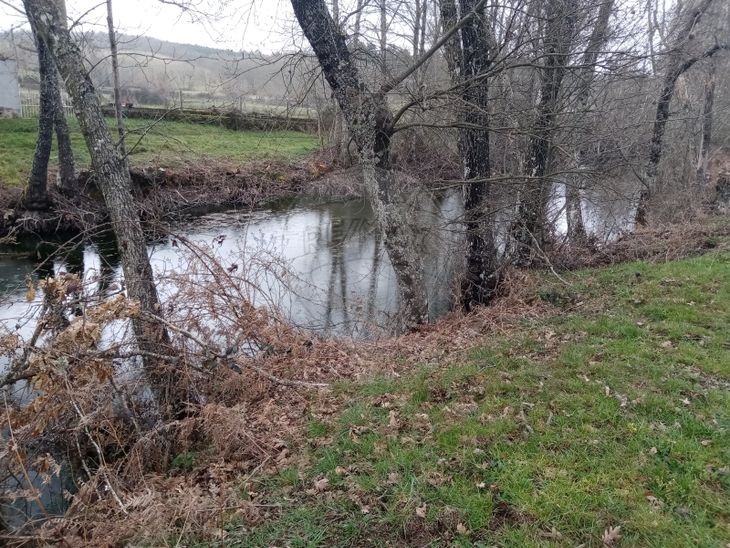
(320,264)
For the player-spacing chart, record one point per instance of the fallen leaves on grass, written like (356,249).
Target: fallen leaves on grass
(611,535)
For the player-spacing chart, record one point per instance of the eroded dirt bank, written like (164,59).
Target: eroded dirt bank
(166,194)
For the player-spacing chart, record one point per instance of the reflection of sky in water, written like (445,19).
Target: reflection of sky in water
(338,277)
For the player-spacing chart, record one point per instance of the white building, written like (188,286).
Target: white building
(9,89)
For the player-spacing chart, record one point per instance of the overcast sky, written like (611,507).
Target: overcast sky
(235,24)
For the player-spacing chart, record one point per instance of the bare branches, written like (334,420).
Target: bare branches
(395,81)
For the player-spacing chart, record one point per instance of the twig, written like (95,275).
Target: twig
(99,452)
(20,460)
(226,357)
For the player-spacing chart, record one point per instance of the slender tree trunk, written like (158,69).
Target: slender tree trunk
(452,48)
(707,113)
(416,29)
(574,189)
(115,76)
(49,18)
(384,40)
(358,21)
(67,180)
(36,195)
(424,27)
(338,129)
(650,36)
(531,225)
(370,123)
(676,66)
(574,208)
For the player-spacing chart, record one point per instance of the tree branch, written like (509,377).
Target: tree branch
(393,82)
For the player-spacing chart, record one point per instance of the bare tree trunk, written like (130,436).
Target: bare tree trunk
(676,66)
(384,40)
(574,209)
(529,233)
(474,60)
(115,76)
(49,18)
(424,27)
(416,29)
(67,180)
(573,190)
(650,36)
(370,123)
(338,130)
(36,195)
(707,113)
(452,48)
(358,20)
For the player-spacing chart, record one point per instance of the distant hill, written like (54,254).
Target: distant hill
(158,72)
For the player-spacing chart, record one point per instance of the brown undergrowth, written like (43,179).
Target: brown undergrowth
(654,244)
(253,382)
(165,194)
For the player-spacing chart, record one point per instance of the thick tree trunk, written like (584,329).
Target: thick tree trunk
(531,225)
(36,195)
(113,178)
(370,123)
(481,268)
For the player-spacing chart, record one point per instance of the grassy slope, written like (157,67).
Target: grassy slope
(167,144)
(614,413)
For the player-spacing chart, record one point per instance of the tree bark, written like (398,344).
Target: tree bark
(530,228)
(573,190)
(416,29)
(36,195)
(707,113)
(67,180)
(370,123)
(384,40)
(481,269)
(49,18)
(338,129)
(115,76)
(452,48)
(676,66)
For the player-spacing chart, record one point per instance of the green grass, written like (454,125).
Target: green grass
(615,413)
(167,144)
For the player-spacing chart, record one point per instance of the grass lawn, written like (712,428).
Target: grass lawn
(167,144)
(614,413)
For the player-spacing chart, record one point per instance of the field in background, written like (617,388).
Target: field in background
(166,144)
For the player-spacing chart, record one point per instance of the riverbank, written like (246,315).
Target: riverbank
(177,168)
(590,408)
(167,194)
(159,143)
